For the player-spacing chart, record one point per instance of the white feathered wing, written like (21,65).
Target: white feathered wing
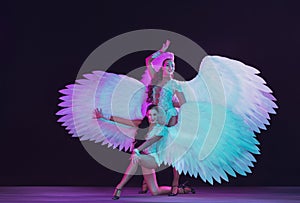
(116,95)
(226,103)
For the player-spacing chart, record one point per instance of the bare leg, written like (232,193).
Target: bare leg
(145,161)
(175,189)
(175,181)
(144,188)
(148,165)
(176,176)
(130,171)
(150,178)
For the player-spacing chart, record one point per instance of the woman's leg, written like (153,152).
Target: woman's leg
(130,171)
(150,178)
(148,165)
(175,183)
(146,161)
(144,187)
(176,176)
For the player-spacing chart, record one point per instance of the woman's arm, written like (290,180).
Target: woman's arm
(150,58)
(135,157)
(135,123)
(181,98)
(148,143)
(149,66)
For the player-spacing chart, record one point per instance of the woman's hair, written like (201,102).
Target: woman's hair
(152,106)
(153,90)
(157,78)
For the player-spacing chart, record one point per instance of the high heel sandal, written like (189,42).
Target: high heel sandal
(185,186)
(172,193)
(117,194)
(144,189)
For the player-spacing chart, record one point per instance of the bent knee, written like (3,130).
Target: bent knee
(155,192)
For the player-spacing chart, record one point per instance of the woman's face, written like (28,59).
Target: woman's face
(168,67)
(152,115)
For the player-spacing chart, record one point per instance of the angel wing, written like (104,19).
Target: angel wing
(226,103)
(116,95)
(208,143)
(234,85)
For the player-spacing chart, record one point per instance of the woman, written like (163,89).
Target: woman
(161,91)
(146,155)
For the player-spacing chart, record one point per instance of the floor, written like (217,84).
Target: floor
(129,194)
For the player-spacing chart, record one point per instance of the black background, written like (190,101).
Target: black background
(43,45)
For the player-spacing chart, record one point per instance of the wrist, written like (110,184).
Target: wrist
(156,54)
(106,116)
(136,151)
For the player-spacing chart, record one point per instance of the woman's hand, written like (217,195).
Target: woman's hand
(135,157)
(165,46)
(98,114)
(163,49)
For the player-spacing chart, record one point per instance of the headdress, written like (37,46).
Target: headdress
(157,63)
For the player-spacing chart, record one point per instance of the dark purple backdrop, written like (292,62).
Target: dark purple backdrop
(43,45)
